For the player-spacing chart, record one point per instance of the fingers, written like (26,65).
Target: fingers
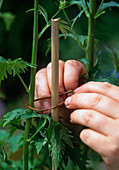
(93,120)
(97,107)
(94,101)
(95,140)
(42,90)
(72,72)
(69,74)
(61,76)
(107,147)
(103,88)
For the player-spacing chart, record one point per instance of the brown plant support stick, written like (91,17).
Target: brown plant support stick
(55,71)
(55,68)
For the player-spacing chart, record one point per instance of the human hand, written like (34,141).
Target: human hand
(70,76)
(96,106)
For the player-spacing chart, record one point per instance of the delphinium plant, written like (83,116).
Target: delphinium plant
(42,135)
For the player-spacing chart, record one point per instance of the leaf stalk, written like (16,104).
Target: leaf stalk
(42,126)
(23,83)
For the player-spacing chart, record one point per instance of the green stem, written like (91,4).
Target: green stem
(48,24)
(85,6)
(55,14)
(43,30)
(32,84)
(91,32)
(65,14)
(99,9)
(44,123)
(22,81)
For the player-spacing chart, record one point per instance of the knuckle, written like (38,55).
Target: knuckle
(95,99)
(105,86)
(88,84)
(113,145)
(88,117)
(61,62)
(114,148)
(71,62)
(49,66)
(39,73)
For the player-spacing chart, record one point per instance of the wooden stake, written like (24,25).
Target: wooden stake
(55,68)
(55,71)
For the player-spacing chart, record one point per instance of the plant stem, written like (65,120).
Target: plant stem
(91,32)
(32,83)
(48,24)
(22,81)
(44,123)
(55,71)
(85,7)
(99,9)
(65,14)
(43,30)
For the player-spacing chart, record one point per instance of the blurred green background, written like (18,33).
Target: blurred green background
(16,40)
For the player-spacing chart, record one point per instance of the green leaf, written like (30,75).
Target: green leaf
(39,146)
(111,79)
(85,61)
(66,136)
(14,67)
(30,10)
(14,114)
(34,114)
(78,156)
(109,4)
(40,143)
(28,115)
(44,13)
(79,3)
(78,16)
(5,158)
(79,38)
(58,137)
(114,54)
(64,28)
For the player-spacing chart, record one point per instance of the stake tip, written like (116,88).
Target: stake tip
(55,20)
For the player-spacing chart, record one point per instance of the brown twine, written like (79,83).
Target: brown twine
(42,110)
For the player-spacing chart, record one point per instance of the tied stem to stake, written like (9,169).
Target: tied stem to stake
(55,71)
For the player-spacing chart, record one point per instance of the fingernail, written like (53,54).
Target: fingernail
(67,101)
(46,105)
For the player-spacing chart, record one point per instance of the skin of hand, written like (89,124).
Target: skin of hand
(96,106)
(70,76)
